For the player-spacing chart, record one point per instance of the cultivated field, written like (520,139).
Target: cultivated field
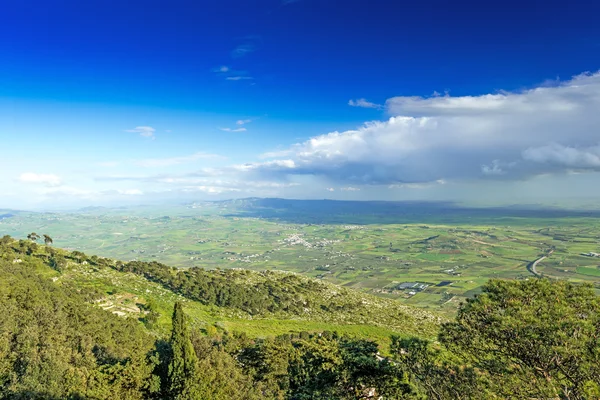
(420,262)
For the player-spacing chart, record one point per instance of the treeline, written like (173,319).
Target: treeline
(518,339)
(289,294)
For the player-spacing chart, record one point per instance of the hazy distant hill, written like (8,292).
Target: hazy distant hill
(335,211)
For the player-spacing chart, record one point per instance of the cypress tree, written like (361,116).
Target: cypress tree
(183,364)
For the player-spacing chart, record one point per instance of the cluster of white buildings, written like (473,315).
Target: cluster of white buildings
(297,239)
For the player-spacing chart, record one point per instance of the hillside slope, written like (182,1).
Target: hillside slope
(55,344)
(258,303)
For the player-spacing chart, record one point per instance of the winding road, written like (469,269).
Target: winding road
(531,267)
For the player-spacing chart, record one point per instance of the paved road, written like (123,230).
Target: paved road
(532,265)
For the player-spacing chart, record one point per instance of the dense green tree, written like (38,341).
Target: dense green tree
(78,255)
(158,383)
(220,375)
(31,248)
(57,262)
(534,339)
(47,240)
(323,366)
(431,373)
(53,344)
(183,365)
(5,241)
(267,361)
(151,313)
(33,237)
(365,373)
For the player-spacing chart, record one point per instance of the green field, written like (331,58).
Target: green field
(453,256)
(592,271)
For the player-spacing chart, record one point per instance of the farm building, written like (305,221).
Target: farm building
(417,286)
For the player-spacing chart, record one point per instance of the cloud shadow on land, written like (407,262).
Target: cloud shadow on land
(390,212)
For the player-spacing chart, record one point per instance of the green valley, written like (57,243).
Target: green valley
(426,256)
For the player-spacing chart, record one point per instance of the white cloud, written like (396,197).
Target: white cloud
(495,168)
(69,192)
(350,189)
(238,78)
(209,189)
(508,135)
(166,162)
(232,74)
(164,178)
(225,178)
(275,166)
(49,180)
(363,103)
(144,131)
(243,50)
(240,123)
(330,189)
(233,130)
(582,157)
(219,186)
(276,154)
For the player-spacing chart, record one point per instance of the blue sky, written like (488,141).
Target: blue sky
(111,102)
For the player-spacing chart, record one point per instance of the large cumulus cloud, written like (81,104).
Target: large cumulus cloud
(506,135)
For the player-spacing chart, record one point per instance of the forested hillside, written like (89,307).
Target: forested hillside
(55,344)
(60,340)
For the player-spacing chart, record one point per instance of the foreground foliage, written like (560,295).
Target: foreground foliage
(54,344)
(518,339)
(536,338)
